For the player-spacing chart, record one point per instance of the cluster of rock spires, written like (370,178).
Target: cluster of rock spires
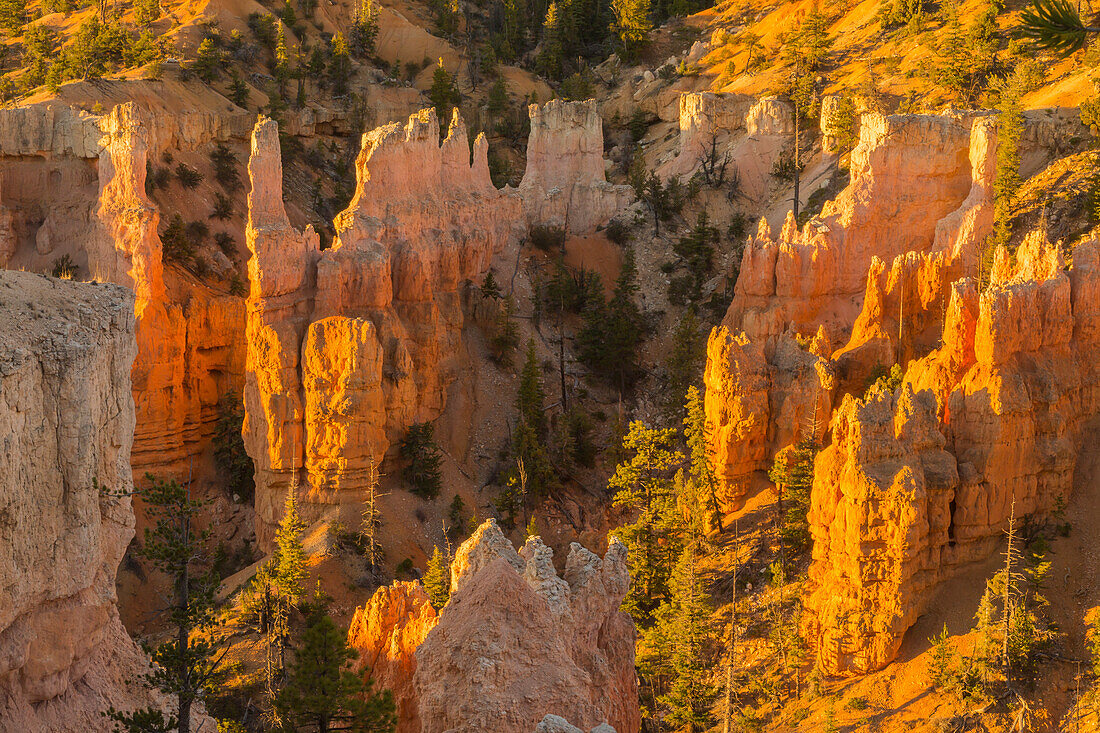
(515,642)
(349,346)
(915,483)
(66,428)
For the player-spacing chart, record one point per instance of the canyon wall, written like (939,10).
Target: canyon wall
(514,642)
(66,419)
(350,345)
(564,183)
(81,193)
(918,482)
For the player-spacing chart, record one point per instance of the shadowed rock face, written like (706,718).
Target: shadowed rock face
(66,427)
(349,346)
(564,184)
(514,642)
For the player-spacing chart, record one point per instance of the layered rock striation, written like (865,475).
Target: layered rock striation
(66,419)
(515,642)
(918,482)
(564,184)
(348,346)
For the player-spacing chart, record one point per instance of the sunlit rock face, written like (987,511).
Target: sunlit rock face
(918,482)
(349,346)
(564,183)
(66,427)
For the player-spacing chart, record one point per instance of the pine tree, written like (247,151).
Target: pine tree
(238,91)
(612,332)
(13,14)
(443,94)
(424,457)
(497,101)
(632,25)
(282,60)
(550,55)
(697,432)
(531,398)
(644,487)
(843,124)
(320,694)
(208,60)
(339,68)
(290,572)
(364,29)
(1007,183)
(691,694)
(684,365)
(185,665)
(437,579)
(532,528)
(793,476)
(147,11)
(942,663)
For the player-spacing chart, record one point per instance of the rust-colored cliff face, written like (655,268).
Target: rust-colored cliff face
(82,194)
(66,426)
(514,642)
(349,346)
(564,184)
(918,482)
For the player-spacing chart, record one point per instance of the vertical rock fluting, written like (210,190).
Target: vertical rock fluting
(190,344)
(762,396)
(66,426)
(349,346)
(564,183)
(917,483)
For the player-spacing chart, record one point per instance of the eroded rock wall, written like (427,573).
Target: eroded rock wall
(348,346)
(918,482)
(564,183)
(67,420)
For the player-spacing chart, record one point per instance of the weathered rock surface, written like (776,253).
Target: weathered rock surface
(760,397)
(558,724)
(742,134)
(515,641)
(349,346)
(917,483)
(513,644)
(66,420)
(386,633)
(564,183)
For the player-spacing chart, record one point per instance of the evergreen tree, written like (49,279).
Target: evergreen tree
(290,570)
(632,25)
(339,68)
(697,432)
(185,667)
(613,332)
(497,101)
(644,487)
(13,14)
(1008,181)
(208,60)
(146,11)
(532,528)
(282,60)
(691,694)
(844,125)
(793,476)
(531,398)
(437,579)
(1055,25)
(550,54)
(683,365)
(238,91)
(320,694)
(364,29)
(443,94)
(423,456)
(941,666)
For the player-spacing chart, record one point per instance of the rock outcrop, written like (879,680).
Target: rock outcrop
(82,181)
(348,346)
(762,396)
(66,421)
(564,184)
(514,642)
(733,131)
(924,480)
(386,632)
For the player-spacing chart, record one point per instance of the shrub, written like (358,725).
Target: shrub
(225,167)
(546,237)
(223,207)
(226,243)
(175,242)
(188,176)
(618,232)
(64,268)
